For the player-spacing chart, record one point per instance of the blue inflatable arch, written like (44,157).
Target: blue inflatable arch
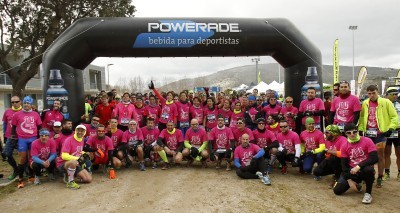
(89,38)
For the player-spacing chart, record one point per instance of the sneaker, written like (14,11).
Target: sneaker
(379,183)
(73,185)
(155,166)
(21,184)
(165,166)
(317,178)
(142,167)
(284,170)
(259,174)
(386,176)
(266,180)
(12,176)
(367,198)
(37,180)
(31,180)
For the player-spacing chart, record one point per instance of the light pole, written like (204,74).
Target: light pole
(108,74)
(256,60)
(353,28)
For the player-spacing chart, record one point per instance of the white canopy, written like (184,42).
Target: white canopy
(241,87)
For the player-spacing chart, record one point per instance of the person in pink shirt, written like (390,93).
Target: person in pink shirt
(25,126)
(312,106)
(152,110)
(289,147)
(252,113)
(331,163)
(61,132)
(169,110)
(91,129)
(358,157)
(314,146)
(220,143)
(345,108)
(240,130)
(290,113)
(210,115)
(196,143)
(150,137)
(52,115)
(237,113)
(43,153)
(273,124)
(140,108)
(171,141)
(272,108)
(249,161)
(124,111)
(183,112)
(102,148)
(226,111)
(73,158)
(196,110)
(133,144)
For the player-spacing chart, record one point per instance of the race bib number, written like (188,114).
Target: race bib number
(124,120)
(165,116)
(247,163)
(318,126)
(372,132)
(132,143)
(226,120)
(211,117)
(184,124)
(221,150)
(394,134)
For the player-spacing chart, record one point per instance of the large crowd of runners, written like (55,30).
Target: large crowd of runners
(255,133)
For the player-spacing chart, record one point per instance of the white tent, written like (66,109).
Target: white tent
(261,87)
(241,87)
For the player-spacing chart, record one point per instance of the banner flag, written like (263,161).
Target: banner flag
(336,62)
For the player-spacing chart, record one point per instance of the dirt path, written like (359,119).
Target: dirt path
(197,190)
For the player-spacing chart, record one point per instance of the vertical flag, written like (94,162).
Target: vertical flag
(383,86)
(336,62)
(362,75)
(397,81)
(259,76)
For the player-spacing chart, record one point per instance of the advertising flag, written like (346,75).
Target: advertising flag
(336,62)
(397,81)
(362,75)
(259,77)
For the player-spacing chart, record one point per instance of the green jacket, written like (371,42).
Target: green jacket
(386,115)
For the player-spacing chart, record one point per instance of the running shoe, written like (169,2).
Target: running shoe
(386,176)
(155,166)
(265,180)
(31,179)
(142,167)
(317,178)
(73,185)
(37,180)
(12,176)
(165,166)
(259,174)
(21,184)
(284,170)
(379,182)
(367,198)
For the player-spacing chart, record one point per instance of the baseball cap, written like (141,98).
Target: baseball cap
(57,123)
(392,90)
(309,120)
(117,97)
(80,126)
(28,99)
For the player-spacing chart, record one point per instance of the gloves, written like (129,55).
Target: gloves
(388,133)
(280,117)
(212,156)
(194,152)
(151,85)
(206,89)
(296,162)
(81,160)
(308,153)
(99,153)
(308,113)
(112,174)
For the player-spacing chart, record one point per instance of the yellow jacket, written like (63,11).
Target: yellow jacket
(386,115)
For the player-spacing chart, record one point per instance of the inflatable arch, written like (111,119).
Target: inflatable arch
(89,38)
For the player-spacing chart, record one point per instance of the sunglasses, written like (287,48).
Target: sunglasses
(101,131)
(283,126)
(393,94)
(351,132)
(240,123)
(97,120)
(15,102)
(132,124)
(261,123)
(335,89)
(289,102)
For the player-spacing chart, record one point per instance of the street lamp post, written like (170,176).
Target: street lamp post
(108,74)
(353,28)
(256,60)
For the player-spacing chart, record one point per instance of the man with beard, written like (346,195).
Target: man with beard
(52,115)
(345,108)
(170,140)
(240,131)
(312,106)
(249,161)
(196,143)
(133,142)
(91,129)
(61,132)
(221,143)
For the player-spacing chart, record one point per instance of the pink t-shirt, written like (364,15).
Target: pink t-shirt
(289,141)
(90,130)
(196,139)
(265,138)
(197,112)
(335,145)
(60,140)
(116,137)
(72,147)
(43,150)
(124,113)
(132,138)
(372,123)
(345,109)
(168,112)
(226,114)
(272,111)
(172,140)
(26,123)
(140,114)
(153,112)
(357,152)
(105,144)
(234,118)
(275,130)
(7,118)
(237,134)
(211,117)
(50,117)
(312,140)
(314,105)
(222,137)
(150,135)
(183,111)
(288,113)
(246,154)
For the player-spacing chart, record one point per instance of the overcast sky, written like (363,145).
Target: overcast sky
(377,40)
